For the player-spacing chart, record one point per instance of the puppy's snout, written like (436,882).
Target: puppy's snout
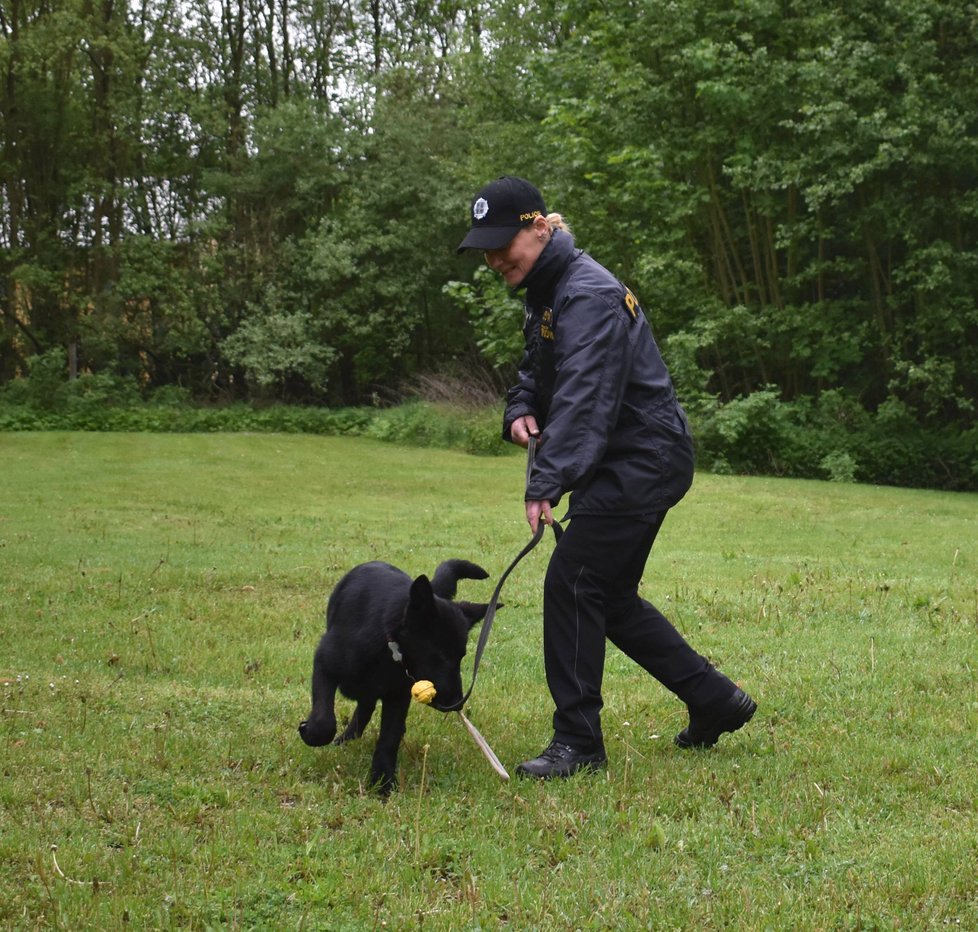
(448,700)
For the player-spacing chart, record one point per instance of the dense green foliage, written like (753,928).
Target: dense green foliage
(831,439)
(259,202)
(110,403)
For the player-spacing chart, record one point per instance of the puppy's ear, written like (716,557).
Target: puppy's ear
(474,612)
(422,598)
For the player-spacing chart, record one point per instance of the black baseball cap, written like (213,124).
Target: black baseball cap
(500,210)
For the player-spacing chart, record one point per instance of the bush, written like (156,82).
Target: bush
(755,434)
(838,466)
(899,450)
(106,403)
(485,439)
(427,425)
(831,437)
(45,384)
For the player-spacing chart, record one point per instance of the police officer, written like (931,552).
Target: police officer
(593,386)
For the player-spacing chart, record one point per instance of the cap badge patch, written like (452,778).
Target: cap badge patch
(480,208)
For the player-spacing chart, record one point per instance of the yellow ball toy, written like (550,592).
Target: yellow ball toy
(424,691)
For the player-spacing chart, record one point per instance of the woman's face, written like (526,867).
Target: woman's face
(514,260)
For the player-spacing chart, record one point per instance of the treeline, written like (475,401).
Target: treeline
(260,201)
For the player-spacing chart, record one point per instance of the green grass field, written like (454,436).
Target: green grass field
(160,600)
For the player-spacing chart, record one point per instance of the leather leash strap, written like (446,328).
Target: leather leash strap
(494,601)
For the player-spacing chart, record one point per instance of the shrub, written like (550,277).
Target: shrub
(829,437)
(754,434)
(44,386)
(484,438)
(838,466)
(833,437)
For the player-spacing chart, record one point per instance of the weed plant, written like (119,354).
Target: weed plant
(160,599)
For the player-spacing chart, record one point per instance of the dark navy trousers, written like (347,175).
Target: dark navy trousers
(590,594)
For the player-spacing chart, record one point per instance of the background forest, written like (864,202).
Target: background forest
(231,200)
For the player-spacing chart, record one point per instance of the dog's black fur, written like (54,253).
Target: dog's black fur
(372,606)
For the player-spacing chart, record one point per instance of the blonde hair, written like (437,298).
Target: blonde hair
(556,222)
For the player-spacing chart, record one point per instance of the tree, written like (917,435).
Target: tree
(788,185)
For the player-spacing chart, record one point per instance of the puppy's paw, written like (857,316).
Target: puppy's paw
(315,736)
(383,783)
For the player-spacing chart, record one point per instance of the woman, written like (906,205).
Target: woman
(593,386)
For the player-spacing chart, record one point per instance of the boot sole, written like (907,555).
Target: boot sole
(557,774)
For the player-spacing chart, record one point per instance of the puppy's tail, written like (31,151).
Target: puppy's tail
(445,581)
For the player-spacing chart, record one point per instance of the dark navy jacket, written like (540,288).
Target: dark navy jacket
(613,432)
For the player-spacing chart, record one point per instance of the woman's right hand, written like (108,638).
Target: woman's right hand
(522,429)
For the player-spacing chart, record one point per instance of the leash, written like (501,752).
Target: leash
(494,601)
(487,627)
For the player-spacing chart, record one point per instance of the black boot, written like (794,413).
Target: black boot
(706,725)
(561,760)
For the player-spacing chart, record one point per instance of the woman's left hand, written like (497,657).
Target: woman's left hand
(537,510)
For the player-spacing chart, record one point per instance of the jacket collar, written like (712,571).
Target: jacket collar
(541,280)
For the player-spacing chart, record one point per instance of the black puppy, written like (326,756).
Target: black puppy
(383,633)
